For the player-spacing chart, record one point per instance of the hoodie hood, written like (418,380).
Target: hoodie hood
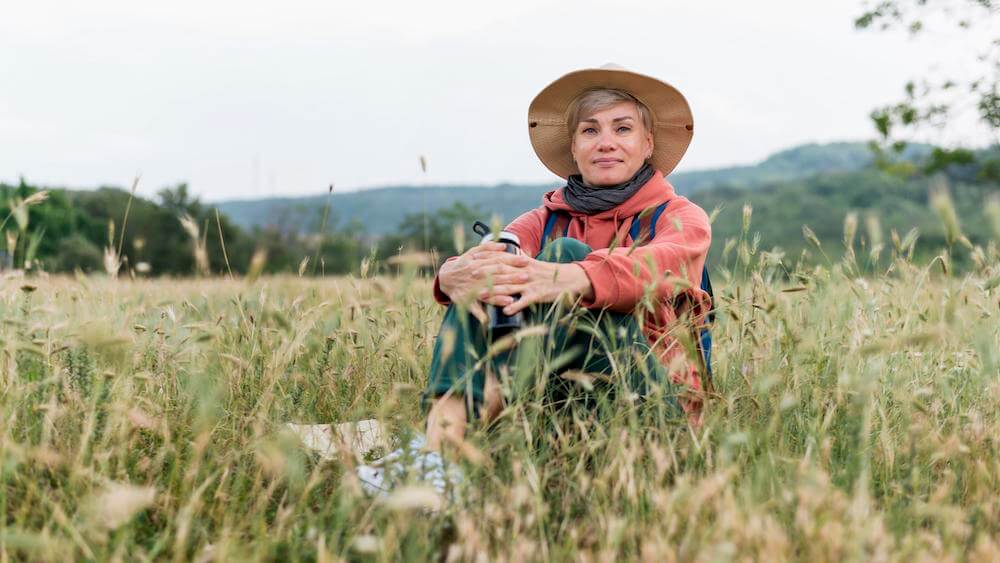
(652,193)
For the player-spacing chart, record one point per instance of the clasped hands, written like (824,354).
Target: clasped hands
(488,274)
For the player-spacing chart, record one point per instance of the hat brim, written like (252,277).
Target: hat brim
(548,114)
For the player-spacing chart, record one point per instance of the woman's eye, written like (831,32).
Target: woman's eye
(624,129)
(589,130)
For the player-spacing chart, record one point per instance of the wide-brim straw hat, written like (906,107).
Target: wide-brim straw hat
(549,112)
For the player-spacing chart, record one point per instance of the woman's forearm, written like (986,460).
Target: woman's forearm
(576,281)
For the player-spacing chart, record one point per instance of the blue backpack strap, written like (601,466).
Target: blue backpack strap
(705,334)
(656,217)
(706,286)
(550,224)
(636,229)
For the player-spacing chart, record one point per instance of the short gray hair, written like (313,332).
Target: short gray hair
(597,99)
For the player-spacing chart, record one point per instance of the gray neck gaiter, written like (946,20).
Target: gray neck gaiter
(589,200)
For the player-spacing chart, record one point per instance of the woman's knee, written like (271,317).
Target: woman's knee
(492,399)
(564,250)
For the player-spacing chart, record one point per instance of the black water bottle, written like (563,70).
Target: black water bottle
(499,322)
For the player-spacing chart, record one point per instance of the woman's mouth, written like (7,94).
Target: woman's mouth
(606,162)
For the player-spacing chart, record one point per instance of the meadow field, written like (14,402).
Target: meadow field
(854,418)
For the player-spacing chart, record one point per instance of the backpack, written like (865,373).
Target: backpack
(704,335)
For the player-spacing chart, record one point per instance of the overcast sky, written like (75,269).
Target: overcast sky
(247,99)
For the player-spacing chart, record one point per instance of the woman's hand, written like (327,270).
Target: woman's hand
(480,267)
(535,281)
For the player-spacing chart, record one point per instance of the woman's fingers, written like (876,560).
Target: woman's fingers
(486,255)
(498,300)
(495,271)
(490,268)
(526,300)
(516,260)
(501,289)
(515,277)
(505,279)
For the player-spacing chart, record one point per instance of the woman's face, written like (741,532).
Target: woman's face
(611,145)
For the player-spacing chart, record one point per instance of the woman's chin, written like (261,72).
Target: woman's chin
(605,180)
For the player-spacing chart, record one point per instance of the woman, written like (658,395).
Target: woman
(627,241)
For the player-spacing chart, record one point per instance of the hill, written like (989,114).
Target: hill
(381,210)
(882,204)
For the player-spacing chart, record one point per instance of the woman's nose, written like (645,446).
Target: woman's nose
(605,142)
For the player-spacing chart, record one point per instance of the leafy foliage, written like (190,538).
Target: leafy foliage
(79,225)
(933,102)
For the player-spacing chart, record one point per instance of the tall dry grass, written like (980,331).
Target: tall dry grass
(855,419)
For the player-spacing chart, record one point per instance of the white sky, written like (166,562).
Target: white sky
(247,99)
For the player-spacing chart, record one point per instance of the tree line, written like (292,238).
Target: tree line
(61,230)
(175,234)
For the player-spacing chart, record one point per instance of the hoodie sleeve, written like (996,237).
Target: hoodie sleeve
(528,227)
(621,275)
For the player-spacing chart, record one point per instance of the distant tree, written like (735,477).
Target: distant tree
(434,232)
(179,201)
(342,253)
(76,252)
(936,101)
(47,222)
(171,251)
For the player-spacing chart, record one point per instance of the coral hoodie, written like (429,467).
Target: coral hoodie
(670,265)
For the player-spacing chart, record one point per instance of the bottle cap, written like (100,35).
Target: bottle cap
(507,236)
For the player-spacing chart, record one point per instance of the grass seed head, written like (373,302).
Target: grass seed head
(747,214)
(458,236)
(112,262)
(873,227)
(811,236)
(36,198)
(257,263)
(944,207)
(118,503)
(11,239)
(850,229)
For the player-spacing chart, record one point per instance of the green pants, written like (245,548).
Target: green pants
(603,343)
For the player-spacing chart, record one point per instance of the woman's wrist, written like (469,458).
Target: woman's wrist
(577,281)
